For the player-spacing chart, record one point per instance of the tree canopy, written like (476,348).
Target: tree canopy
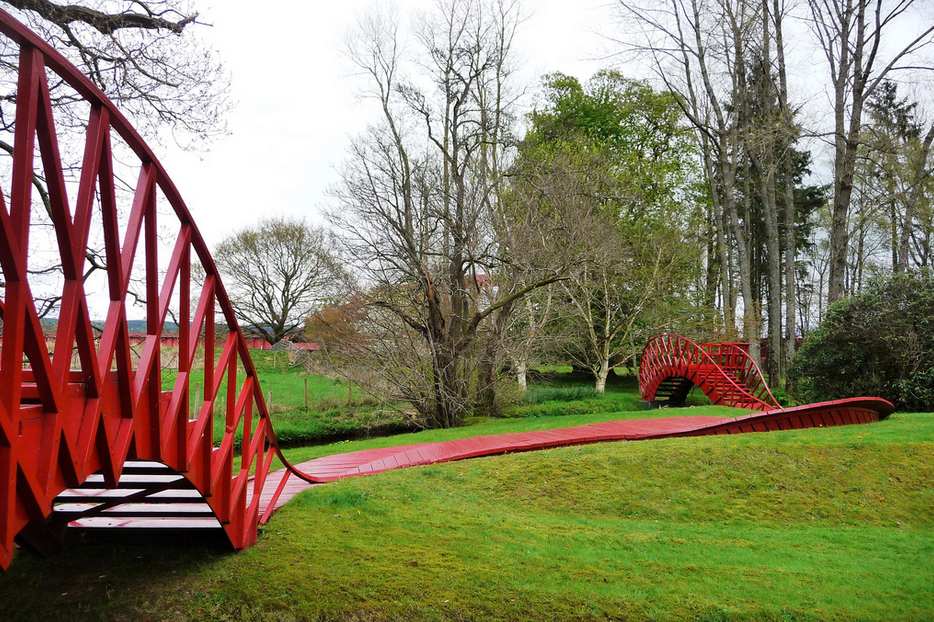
(649,160)
(277,272)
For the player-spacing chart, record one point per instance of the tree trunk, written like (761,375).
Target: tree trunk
(844,163)
(601,375)
(856,276)
(487,404)
(720,226)
(788,179)
(712,275)
(751,312)
(790,253)
(773,249)
(449,410)
(522,368)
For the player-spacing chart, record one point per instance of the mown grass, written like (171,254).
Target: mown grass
(820,524)
(567,394)
(559,392)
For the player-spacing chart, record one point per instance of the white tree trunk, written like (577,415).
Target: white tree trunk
(600,386)
(522,367)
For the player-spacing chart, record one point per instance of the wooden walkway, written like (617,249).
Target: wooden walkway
(282,485)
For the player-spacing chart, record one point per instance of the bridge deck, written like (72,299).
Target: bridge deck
(281,485)
(371,461)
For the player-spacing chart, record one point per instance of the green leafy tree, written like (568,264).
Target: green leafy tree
(879,343)
(647,162)
(615,157)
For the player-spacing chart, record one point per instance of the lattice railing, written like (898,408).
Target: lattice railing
(59,424)
(724,372)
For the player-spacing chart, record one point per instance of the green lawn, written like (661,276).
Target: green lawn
(820,524)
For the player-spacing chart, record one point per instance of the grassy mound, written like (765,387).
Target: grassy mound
(820,524)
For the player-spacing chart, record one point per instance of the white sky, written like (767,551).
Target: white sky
(297,102)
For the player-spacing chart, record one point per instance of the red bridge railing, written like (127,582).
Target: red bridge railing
(92,405)
(672,364)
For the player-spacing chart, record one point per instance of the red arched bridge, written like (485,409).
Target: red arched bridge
(94,424)
(672,365)
(97,430)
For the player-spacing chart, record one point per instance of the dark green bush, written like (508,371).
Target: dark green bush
(879,343)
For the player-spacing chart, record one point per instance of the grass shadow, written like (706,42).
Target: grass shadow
(110,575)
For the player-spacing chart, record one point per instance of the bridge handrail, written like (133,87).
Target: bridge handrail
(114,392)
(753,377)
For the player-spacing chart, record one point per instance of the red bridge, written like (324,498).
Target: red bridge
(671,365)
(91,430)
(97,434)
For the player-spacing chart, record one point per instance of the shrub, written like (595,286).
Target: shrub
(879,343)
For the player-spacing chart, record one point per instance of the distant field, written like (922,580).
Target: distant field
(806,525)
(335,410)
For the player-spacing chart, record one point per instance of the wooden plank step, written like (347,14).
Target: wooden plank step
(103,522)
(144,466)
(138,480)
(139,509)
(79,511)
(164,496)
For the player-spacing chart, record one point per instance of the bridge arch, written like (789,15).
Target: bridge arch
(93,406)
(672,364)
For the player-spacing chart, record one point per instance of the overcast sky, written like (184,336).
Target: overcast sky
(297,102)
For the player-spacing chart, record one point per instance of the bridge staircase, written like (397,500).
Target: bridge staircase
(149,495)
(96,428)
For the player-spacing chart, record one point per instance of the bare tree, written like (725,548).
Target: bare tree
(611,296)
(859,42)
(787,174)
(701,50)
(529,331)
(277,273)
(145,55)
(419,203)
(771,133)
(727,60)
